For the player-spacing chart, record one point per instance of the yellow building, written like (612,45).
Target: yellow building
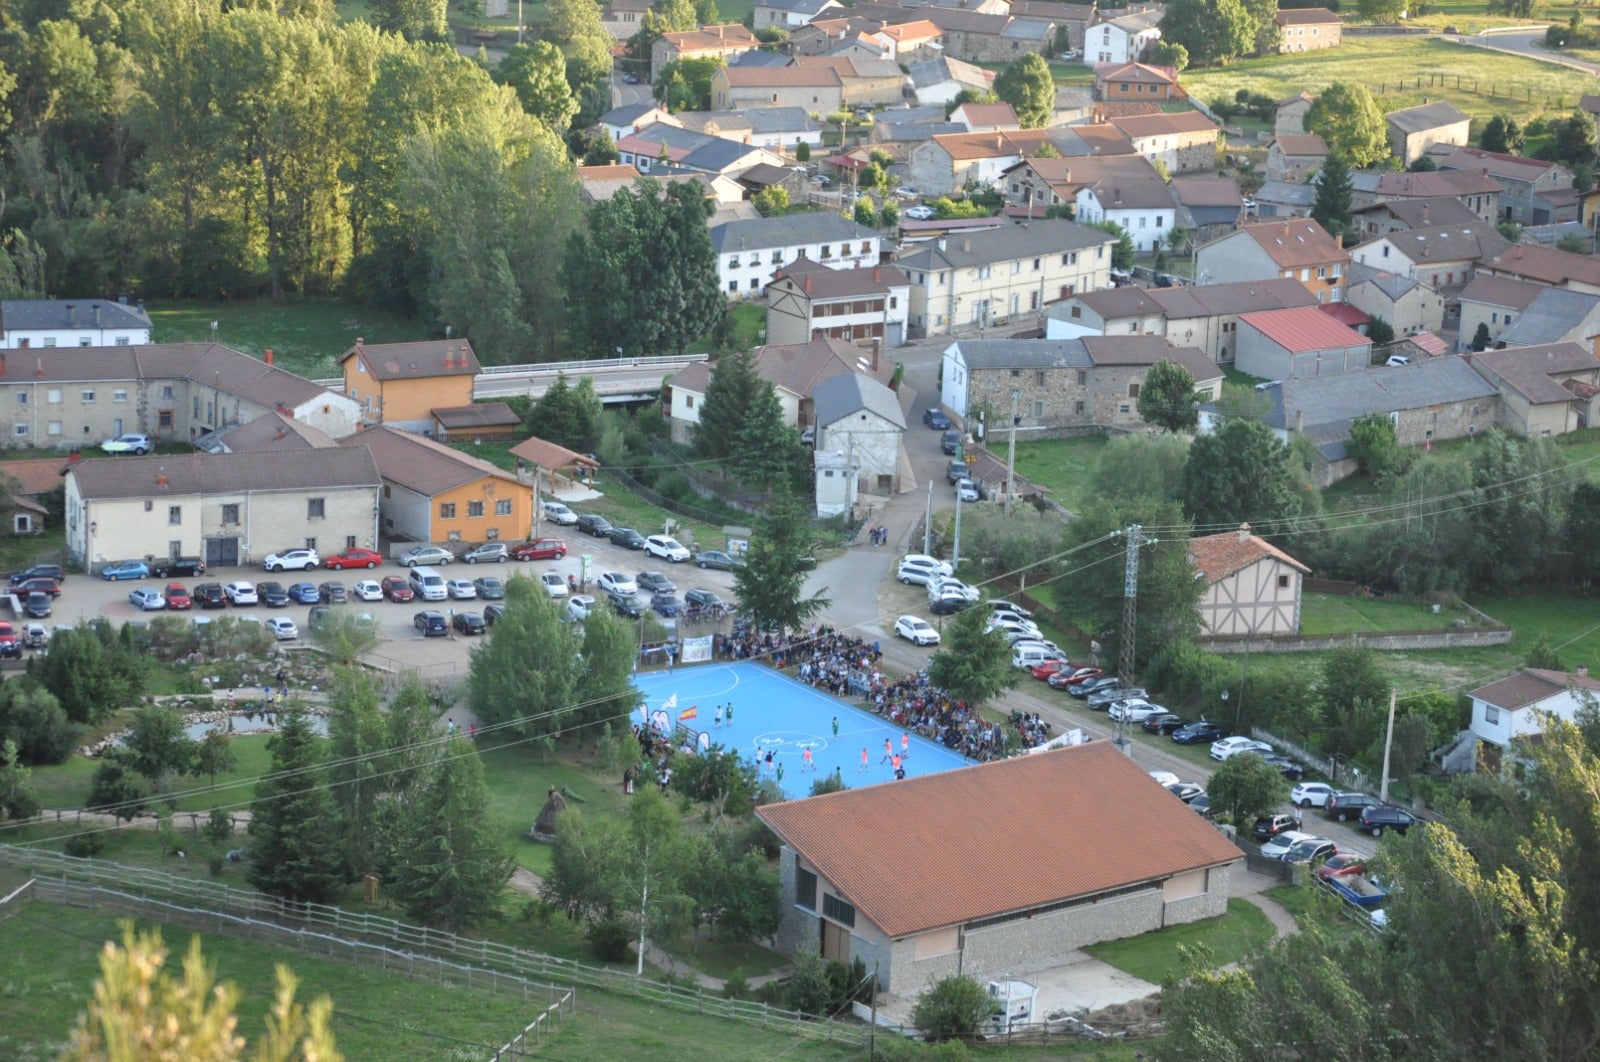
(401,384)
(432,493)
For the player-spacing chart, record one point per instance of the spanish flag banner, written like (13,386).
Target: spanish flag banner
(688,713)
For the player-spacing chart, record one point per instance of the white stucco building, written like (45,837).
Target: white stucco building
(750,252)
(1511,708)
(72,323)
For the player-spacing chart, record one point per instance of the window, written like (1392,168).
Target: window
(777,258)
(53,428)
(1133,390)
(311,543)
(502,507)
(166,392)
(1077,407)
(122,341)
(49,341)
(827,250)
(1494,318)
(22,398)
(119,395)
(734,263)
(174,514)
(1077,311)
(164,418)
(894,302)
(733,285)
(754,283)
(1038,408)
(196,407)
(1508,318)
(1083,377)
(984,272)
(1038,263)
(1070,258)
(1016,267)
(474,508)
(447,510)
(1491,715)
(1385,251)
(1038,377)
(838,910)
(1015,373)
(230,514)
(316,508)
(85,341)
(21,429)
(805,889)
(866,247)
(1322,272)
(1283,582)
(87,396)
(53,396)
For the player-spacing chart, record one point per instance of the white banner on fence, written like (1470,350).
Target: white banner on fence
(696,650)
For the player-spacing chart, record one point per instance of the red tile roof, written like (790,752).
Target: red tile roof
(1295,243)
(1345,313)
(1305,16)
(1302,328)
(1143,125)
(1530,686)
(36,475)
(415,361)
(935,851)
(1219,556)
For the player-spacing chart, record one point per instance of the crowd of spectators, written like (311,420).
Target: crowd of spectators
(847,667)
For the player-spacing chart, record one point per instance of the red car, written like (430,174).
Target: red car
(9,645)
(1044,670)
(353,558)
(177,596)
(1342,863)
(542,549)
(1071,676)
(397,588)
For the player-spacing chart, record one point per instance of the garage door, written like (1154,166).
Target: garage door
(222,552)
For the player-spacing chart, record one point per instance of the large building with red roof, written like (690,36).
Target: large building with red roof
(995,870)
(1299,342)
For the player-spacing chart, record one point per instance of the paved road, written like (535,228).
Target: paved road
(1526,43)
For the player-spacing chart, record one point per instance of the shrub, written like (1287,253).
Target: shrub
(736,987)
(953,1007)
(84,845)
(609,938)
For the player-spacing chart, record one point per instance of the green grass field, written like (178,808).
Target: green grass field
(1062,466)
(1343,614)
(304,335)
(1154,956)
(1466,77)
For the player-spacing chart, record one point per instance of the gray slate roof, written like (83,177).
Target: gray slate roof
(1552,314)
(1025,354)
(270,431)
(1393,285)
(1427,116)
(849,392)
(1053,236)
(1335,401)
(761,59)
(1286,193)
(779,119)
(237,473)
(787,231)
(627,114)
(36,315)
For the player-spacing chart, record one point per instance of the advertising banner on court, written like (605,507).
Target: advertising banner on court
(696,650)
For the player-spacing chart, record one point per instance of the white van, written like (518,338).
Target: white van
(428,584)
(1027,656)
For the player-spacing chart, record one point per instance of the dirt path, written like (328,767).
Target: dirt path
(1283,922)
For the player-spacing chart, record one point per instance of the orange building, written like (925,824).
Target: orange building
(401,384)
(432,493)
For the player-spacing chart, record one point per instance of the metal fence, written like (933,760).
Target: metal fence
(488,957)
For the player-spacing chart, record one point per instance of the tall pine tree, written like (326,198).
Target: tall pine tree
(295,845)
(1331,208)
(730,395)
(451,869)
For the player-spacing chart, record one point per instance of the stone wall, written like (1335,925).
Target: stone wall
(1391,640)
(798,929)
(1099,403)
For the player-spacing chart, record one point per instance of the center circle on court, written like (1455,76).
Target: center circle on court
(794,740)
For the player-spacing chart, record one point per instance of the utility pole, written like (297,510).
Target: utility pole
(955,553)
(1011,452)
(1130,599)
(927,522)
(1388,740)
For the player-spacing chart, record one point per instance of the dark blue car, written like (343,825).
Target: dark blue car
(935,419)
(305,593)
(667,604)
(1195,733)
(273,595)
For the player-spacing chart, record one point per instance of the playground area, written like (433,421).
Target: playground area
(773,713)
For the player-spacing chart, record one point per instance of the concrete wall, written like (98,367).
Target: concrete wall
(1441,639)
(871,445)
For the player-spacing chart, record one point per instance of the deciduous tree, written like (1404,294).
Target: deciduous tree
(17,798)
(951,1008)
(1247,787)
(33,718)
(1376,447)
(1122,251)
(537,72)
(1028,86)
(1349,120)
(1504,134)
(1139,466)
(117,788)
(1212,31)
(90,677)
(1167,397)
(1240,473)
(527,674)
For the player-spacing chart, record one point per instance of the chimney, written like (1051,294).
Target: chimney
(282,433)
(877,346)
(1116,195)
(97,315)
(1244,532)
(808,281)
(1424,215)
(2,364)
(877,275)
(161,480)
(269,355)
(74,457)
(70,319)
(1300,422)
(358,344)
(966,246)
(38,368)
(1582,671)
(941,243)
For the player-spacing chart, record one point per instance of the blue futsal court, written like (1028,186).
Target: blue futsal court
(777,713)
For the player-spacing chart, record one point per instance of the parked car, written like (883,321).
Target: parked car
(1290,769)
(129,569)
(921,569)
(950,442)
(492,612)
(617,583)
(490,589)
(1341,864)
(700,598)
(10,644)
(626,537)
(667,548)
(1105,697)
(148,599)
(283,628)
(667,604)
(716,558)
(1186,791)
(1226,748)
(1198,732)
(178,597)
(397,588)
(654,583)
(1202,805)
(353,558)
(957,471)
(1380,817)
(1045,668)
(1311,794)
(1163,723)
(429,556)
(39,584)
(948,584)
(1311,850)
(241,593)
(127,444)
(553,584)
(179,568)
(304,593)
(997,604)
(578,606)
(594,524)
(558,513)
(907,192)
(38,571)
(488,553)
(37,605)
(935,419)
(291,560)
(1090,686)
(966,490)
(919,213)
(1344,807)
(629,606)
(1278,846)
(468,623)
(1072,675)
(1272,825)
(948,604)
(209,595)
(335,593)
(540,549)
(430,623)
(1134,711)
(914,629)
(273,595)
(460,589)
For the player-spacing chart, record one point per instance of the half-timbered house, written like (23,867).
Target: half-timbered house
(1252,586)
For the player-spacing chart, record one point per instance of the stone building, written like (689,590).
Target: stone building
(865,873)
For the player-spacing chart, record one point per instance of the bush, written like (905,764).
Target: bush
(84,845)
(953,1007)
(610,939)
(736,987)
